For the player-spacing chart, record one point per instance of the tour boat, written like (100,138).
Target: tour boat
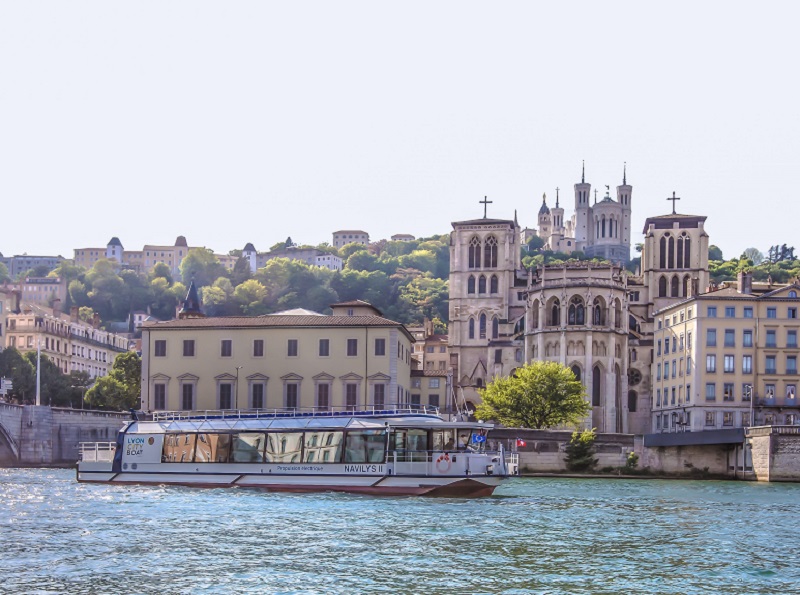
(393,452)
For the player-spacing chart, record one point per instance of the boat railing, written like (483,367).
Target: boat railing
(97,451)
(293,412)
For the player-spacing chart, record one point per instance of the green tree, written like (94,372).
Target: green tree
(754,255)
(4,276)
(121,389)
(580,451)
(714,253)
(201,266)
(348,249)
(538,395)
(21,373)
(250,297)
(241,271)
(161,271)
(362,261)
(54,385)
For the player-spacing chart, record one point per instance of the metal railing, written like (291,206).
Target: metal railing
(293,412)
(97,452)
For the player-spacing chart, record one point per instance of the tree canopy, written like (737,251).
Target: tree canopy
(120,389)
(538,395)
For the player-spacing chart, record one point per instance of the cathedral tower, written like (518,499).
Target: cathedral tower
(583,227)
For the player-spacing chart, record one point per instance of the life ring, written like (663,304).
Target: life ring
(443,463)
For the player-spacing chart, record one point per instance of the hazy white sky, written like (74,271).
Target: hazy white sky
(245,122)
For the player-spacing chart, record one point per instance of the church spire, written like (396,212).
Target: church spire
(583,172)
(557,198)
(624,173)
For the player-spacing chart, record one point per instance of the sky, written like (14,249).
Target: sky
(245,122)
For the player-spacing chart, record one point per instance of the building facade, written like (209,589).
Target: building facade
(22,263)
(354,361)
(350,236)
(727,359)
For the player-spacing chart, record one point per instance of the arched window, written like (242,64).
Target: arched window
(662,253)
(671,253)
(483,326)
(603,225)
(481,284)
(474,253)
(687,252)
(471,284)
(555,313)
(576,312)
(632,401)
(576,369)
(535,315)
(617,314)
(471,328)
(495,328)
(493,285)
(686,286)
(634,355)
(680,251)
(792,294)
(599,316)
(675,286)
(490,252)
(662,287)
(596,379)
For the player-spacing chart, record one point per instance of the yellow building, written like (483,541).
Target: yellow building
(352,359)
(70,343)
(724,358)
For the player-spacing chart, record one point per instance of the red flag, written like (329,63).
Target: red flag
(520,442)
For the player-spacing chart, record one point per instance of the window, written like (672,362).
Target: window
(748,311)
(352,347)
(771,338)
(730,337)
(728,365)
(498,356)
(160,396)
(292,348)
(471,284)
(658,348)
(225,395)
(682,342)
(746,392)
(770,367)
(433,400)
(791,339)
(772,313)
(791,364)
(747,364)
(791,391)
(416,401)
(188,348)
(792,313)
(711,363)
(187,397)
(688,366)
(658,372)
(323,396)
(351,395)
(711,391)
(688,392)
(379,395)
(257,395)
(727,391)
(160,348)
(380,346)
(666,370)
(710,421)
(483,326)
(666,345)
(433,383)
(324,347)
(292,390)
(747,338)
(727,418)
(769,391)
(712,312)
(658,396)
(730,312)
(258,348)
(674,368)
(481,284)
(672,401)
(711,337)
(225,348)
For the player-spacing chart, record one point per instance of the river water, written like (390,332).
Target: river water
(536,535)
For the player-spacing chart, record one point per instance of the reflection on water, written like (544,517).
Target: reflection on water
(535,536)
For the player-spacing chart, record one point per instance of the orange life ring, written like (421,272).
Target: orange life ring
(443,463)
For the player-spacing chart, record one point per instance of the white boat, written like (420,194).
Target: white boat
(394,452)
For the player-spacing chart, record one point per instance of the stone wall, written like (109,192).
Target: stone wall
(776,453)
(717,459)
(545,450)
(45,435)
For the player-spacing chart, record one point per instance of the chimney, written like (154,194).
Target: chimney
(744,281)
(96,320)
(56,307)
(73,313)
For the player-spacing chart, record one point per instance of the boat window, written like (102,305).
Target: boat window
(178,448)
(284,447)
(212,448)
(323,447)
(464,437)
(365,446)
(247,448)
(444,439)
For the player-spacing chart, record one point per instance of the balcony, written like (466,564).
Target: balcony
(777,402)
(771,371)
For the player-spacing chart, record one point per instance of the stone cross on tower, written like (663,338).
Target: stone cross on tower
(485,202)
(673,198)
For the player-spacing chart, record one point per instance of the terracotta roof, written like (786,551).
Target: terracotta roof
(278,321)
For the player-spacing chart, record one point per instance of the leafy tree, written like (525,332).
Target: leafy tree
(348,249)
(241,271)
(362,261)
(21,373)
(78,294)
(754,255)
(580,451)
(250,297)
(4,276)
(201,266)
(54,385)
(120,390)
(538,395)
(161,271)
(714,253)
(422,260)
(86,314)
(535,243)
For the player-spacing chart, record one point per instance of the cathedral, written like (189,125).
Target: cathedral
(601,229)
(595,318)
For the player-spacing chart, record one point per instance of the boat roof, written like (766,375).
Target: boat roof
(260,422)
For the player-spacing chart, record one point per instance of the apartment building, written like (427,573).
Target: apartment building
(350,236)
(352,359)
(727,359)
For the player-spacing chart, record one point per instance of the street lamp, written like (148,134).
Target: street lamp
(748,391)
(236,398)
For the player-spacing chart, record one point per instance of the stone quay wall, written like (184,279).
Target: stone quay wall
(775,452)
(43,435)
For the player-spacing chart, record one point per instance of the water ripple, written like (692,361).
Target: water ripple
(543,536)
